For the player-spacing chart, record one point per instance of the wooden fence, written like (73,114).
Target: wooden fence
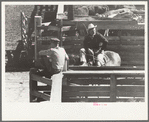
(92,86)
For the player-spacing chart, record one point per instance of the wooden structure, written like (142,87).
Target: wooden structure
(125,37)
(100,85)
(24,29)
(95,84)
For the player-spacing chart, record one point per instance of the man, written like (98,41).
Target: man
(56,55)
(94,46)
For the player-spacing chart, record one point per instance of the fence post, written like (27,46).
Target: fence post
(56,90)
(60,32)
(38,22)
(32,84)
(112,88)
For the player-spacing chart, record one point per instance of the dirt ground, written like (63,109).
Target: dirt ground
(17,86)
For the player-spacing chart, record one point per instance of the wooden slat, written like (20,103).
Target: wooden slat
(89,93)
(131,54)
(130,99)
(101,82)
(133,63)
(107,24)
(129,58)
(130,82)
(43,88)
(89,81)
(105,68)
(118,48)
(87,88)
(86,100)
(74,39)
(98,73)
(130,88)
(130,75)
(130,48)
(56,90)
(116,43)
(41,79)
(32,84)
(54,28)
(86,74)
(132,38)
(113,88)
(41,95)
(130,94)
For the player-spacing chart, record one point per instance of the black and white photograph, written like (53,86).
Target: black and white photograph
(74,60)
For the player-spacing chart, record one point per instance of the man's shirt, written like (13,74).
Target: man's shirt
(57,56)
(93,42)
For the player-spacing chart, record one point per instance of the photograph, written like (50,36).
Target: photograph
(74,60)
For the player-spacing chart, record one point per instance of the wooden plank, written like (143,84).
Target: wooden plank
(106,82)
(86,100)
(89,81)
(132,38)
(131,48)
(129,39)
(107,24)
(130,99)
(131,54)
(98,73)
(131,58)
(133,63)
(41,79)
(43,88)
(50,27)
(41,95)
(117,49)
(73,76)
(130,88)
(110,43)
(130,82)
(56,90)
(89,93)
(38,22)
(32,84)
(113,88)
(130,75)
(105,68)
(130,94)
(116,43)
(87,88)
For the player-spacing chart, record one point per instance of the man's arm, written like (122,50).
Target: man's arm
(66,56)
(43,52)
(87,46)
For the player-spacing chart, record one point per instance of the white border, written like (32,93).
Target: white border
(72,111)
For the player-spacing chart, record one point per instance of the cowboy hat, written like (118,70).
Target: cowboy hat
(91,26)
